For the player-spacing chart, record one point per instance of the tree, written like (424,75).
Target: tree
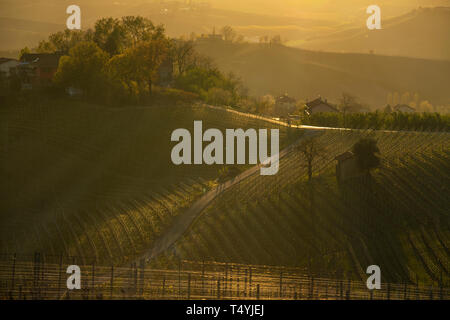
(228,33)
(183,54)
(23,51)
(147,58)
(121,68)
(139,29)
(109,35)
(83,68)
(311,150)
(367,154)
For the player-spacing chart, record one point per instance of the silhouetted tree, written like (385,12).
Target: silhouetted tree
(367,154)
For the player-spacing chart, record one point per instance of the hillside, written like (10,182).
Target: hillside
(96,182)
(398,220)
(422,33)
(306,74)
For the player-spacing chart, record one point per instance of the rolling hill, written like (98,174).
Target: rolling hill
(422,33)
(95,182)
(398,219)
(305,74)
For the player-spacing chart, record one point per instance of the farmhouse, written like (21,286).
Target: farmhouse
(7,65)
(284,105)
(404,108)
(319,105)
(347,167)
(37,69)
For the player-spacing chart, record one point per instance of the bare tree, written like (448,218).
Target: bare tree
(228,33)
(311,150)
(183,54)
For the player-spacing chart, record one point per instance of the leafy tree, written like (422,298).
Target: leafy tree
(23,51)
(62,41)
(139,29)
(147,58)
(83,68)
(110,35)
(367,154)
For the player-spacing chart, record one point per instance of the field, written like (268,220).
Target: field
(95,186)
(398,219)
(98,183)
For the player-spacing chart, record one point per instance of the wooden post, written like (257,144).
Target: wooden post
(404,292)
(60,274)
(250,282)
(189,286)
(281,284)
(245,283)
(257,291)
(389,291)
(111,282)
(164,286)
(203,277)
(179,279)
(13,273)
(93,280)
(218,288)
(141,276)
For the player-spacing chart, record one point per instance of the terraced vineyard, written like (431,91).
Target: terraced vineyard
(98,183)
(398,219)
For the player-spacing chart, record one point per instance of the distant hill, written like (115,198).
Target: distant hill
(306,74)
(422,33)
(18,33)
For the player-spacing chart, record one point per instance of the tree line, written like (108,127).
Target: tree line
(124,60)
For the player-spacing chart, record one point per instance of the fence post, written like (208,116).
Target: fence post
(13,273)
(250,282)
(388,291)
(257,291)
(189,286)
(281,284)
(405,297)
(218,288)
(203,277)
(141,276)
(245,283)
(93,279)
(179,279)
(431,292)
(111,282)
(60,273)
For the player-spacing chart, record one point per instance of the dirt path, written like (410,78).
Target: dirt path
(186,219)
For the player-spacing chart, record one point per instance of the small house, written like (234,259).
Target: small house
(347,167)
(37,69)
(318,105)
(404,108)
(7,65)
(284,105)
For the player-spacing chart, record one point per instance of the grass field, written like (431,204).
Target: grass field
(95,182)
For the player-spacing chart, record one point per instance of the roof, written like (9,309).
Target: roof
(42,59)
(399,106)
(344,156)
(317,102)
(285,99)
(3,60)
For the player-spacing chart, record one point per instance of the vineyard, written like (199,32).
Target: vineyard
(399,219)
(44,277)
(88,181)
